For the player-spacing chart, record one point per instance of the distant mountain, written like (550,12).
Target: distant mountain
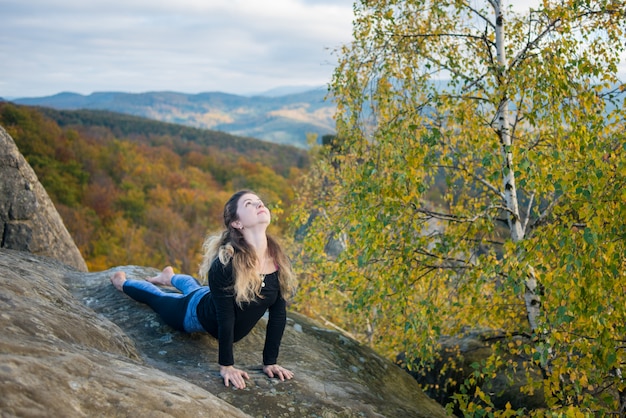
(286,90)
(283,119)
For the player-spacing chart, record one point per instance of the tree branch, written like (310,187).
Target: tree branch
(543,215)
(480,15)
(455,218)
(530,204)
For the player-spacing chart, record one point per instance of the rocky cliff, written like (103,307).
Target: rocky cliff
(74,346)
(28,219)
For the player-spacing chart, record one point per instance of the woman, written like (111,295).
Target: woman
(248,274)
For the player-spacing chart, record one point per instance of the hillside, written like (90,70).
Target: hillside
(134,190)
(279,157)
(286,119)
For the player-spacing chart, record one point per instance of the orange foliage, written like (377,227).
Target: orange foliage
(145,200)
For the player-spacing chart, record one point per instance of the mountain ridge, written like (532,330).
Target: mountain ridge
(284,119)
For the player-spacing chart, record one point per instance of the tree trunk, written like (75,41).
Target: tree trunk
(531,296)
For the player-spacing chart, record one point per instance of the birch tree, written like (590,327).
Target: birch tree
(478,180)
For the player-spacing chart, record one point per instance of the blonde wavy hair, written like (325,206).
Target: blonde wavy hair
(230,246)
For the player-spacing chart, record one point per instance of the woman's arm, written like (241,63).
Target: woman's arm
(274,331)
(273,337)
(220,282)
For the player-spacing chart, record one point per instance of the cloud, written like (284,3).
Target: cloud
(235,46)
(238,46)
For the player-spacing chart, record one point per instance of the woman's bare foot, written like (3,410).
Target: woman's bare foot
(118,279)
(164,278)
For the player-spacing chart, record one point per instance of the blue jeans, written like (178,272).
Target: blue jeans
(178,310)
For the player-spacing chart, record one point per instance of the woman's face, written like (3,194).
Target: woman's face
(251,211)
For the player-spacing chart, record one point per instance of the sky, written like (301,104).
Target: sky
(189,46)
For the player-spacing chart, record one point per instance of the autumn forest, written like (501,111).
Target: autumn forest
(135,191)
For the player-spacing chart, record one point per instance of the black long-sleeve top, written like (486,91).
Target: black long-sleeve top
(221,317)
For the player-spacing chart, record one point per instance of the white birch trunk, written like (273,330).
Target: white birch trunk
(531,296)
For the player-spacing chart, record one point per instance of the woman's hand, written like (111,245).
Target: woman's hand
(234,376)
(274,370)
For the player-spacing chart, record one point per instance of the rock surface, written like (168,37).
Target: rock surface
(72,345)
(28,219)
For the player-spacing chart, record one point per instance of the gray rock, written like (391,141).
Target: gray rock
(72,345)
(28,219)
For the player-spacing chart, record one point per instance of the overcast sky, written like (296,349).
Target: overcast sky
(189,46)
